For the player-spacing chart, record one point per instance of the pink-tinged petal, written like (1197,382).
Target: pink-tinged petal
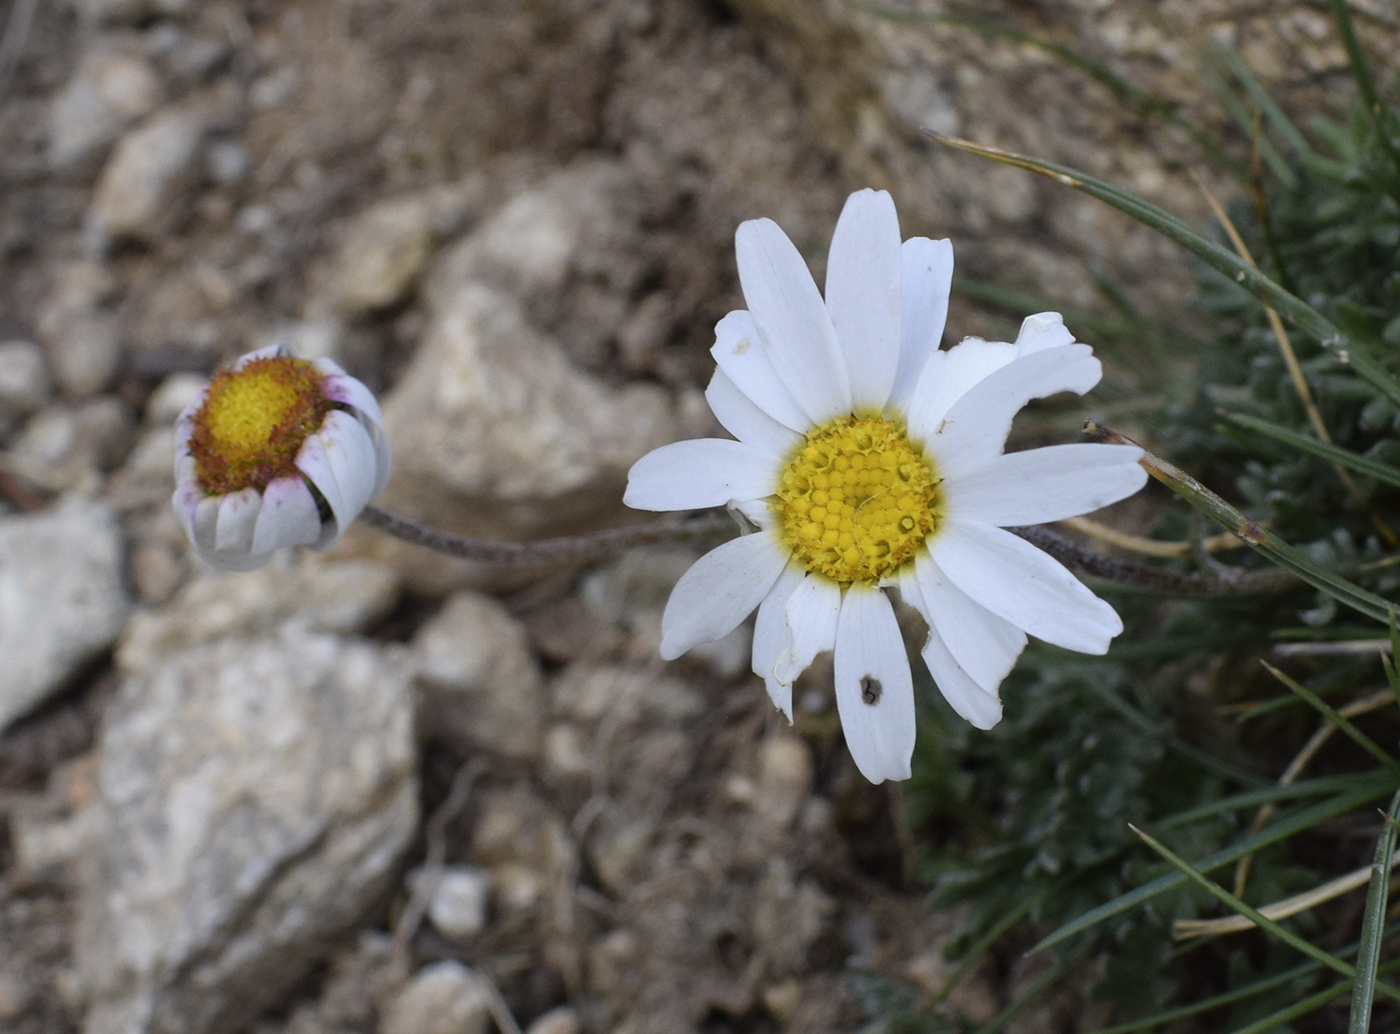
(1018,582)
(383,455)
(268,352)
(984,645)
(701,472)
(339,386)
(947,376)
(874,688)
(792,321)
(740,352)
(976,426)
(772,638)
(185,502)
(343,455)
(863,274)
(742,418)
(1046,484)
(719,591)
(289,516)
(926,279)
(1041,331)
(811,613)
(238,515)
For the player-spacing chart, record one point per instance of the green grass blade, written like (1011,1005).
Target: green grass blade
(1368,955)
(1260,920)
(1282,124)
(1365,742)
(1287,305)
(1318,787)
(1365,82)
(1368,787)
(1325,450)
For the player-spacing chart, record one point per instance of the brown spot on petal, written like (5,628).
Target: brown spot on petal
(870,689)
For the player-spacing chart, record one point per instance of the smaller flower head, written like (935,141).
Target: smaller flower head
(276,451)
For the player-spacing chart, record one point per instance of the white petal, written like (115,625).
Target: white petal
(288,517)
(811,611)
(268,352)
(701,472)
(947,376)
(985,646)
(772,638)
(719,591)
(792,320)
(185,502)
(353,462)
(204,521)
(874,689)
(1041,331)
(926,279)
(339,386)
(863,274)
(383,455)
(1013,579)
(238,514)
(1046,484)
(740,352)
(742,418)
(972,703)
(314,462)
(976,426)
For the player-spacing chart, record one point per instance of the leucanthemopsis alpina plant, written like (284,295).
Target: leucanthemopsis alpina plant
(868,458)
(276,451)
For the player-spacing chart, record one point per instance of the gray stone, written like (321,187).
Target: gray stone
(494,428)
(144,178)
(68,448)
(108,91)
(81,335)
(254,797)
(62,601)
(561,1020)
(459,899)
(481,685)
(25,386)
(342,597)
(444,998)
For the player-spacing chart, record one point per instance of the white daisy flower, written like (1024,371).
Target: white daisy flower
(867,458)
(276,451)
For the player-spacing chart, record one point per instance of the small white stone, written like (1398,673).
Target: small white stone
(561,1020)
(25,386)
(108,91)
(444,998)
(169,400)
(458,905)
(145,176)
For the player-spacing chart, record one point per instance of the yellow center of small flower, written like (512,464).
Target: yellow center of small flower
(254,421)
(856,499)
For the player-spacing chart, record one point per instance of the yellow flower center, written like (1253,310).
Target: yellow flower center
(254,421)
(856,499)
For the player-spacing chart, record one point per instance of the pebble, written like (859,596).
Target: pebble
(171,397)
(108,91)
(443,998)
(69,448)
(25,385)
(62,599)
(481,684)
(147,172)
(254,798)
(560,1020)
(459,903)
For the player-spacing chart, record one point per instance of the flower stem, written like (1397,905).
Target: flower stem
(568,549)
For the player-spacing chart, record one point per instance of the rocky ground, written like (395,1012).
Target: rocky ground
(374,791)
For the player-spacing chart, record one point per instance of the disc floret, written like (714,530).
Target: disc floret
(254,421)
(856,500)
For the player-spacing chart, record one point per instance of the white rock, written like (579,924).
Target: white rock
(254,798)
(25,386)
(62,600)
(460,899)
(341,597)
(481,685)
(81,335)
(492,421)
(561,1020)
(169,400)
(444,998)
(145,176)
(107,93)
(67,448)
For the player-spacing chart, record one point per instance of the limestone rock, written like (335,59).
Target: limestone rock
(494,429)
(481,684)
(69,448)
(342,597)
(444,998)
(459,899)
(62,601)
(145,176)
(254,797)
(108,92)
(81,335)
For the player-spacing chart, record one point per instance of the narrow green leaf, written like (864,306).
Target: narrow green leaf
(1289,306)
(1368,955)
(1319,787)
(1326,450)
(1365,742)
(1361,70)
(1368,787)
(1284,126)
(1258,918)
